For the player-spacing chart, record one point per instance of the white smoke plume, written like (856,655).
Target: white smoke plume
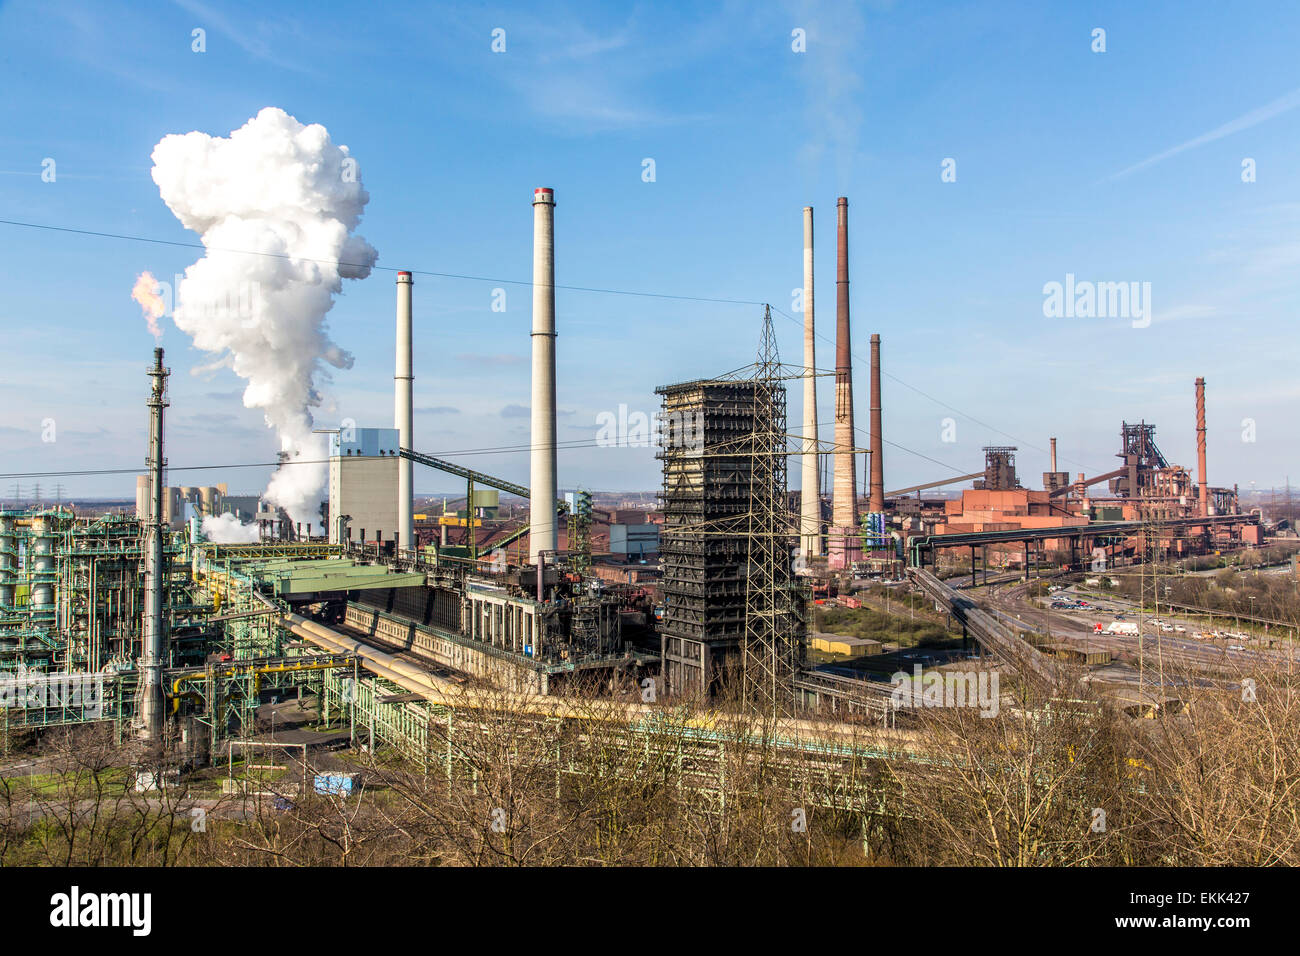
(226,529)
(284,191)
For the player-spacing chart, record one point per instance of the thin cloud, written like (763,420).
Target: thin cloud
(1283,104)
(1184,312)
(252,45)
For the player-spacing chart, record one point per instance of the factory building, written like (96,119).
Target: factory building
(363,485)
(634,540)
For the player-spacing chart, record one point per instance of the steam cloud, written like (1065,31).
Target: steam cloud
(226,529)
(285,193)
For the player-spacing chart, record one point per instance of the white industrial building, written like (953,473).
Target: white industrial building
(363,485)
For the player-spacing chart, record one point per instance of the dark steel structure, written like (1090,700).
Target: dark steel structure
(731,608)
(703,547)
(1141,457)
(999,469)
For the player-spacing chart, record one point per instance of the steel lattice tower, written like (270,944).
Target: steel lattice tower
(771,647)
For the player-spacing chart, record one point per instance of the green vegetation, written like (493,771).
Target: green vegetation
(886,628)
(1227,593)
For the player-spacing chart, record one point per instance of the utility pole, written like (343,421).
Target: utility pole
(155,640)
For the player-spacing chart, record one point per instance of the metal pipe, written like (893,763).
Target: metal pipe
(155,638)
(810,493)
(404,411)
(543,469)
(1200,447)
(416,679)
(877,500)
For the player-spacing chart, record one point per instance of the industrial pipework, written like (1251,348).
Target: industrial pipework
(543,469)
(1200,448)
(155,638)
(810,494)
(404,412)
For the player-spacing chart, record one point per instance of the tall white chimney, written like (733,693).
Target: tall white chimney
(543,476)
(810,539)
(404,412)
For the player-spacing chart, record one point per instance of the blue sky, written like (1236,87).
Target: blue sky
(1120,166)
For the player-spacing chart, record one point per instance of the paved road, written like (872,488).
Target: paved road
(1013,603)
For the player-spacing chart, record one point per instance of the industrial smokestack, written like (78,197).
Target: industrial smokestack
(1053,468)
(543,468)
(1200,447)
(844,510)
(404,412)
(810,496)
(877,501)
(155,638)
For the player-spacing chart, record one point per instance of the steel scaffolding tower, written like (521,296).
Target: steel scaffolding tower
(703,549)
(731,605)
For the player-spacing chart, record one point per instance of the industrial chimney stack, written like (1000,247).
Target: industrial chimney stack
(810,518)
(155,634)
(845,543)
(1200,447)
(404,412)
(543,468)
(877,501)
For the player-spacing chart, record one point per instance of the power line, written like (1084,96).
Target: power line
(521,282)
(362,265)
(963,414)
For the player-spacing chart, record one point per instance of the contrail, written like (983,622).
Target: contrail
(1256,116)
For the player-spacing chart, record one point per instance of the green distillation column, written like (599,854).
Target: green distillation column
(8,562)
(42,563)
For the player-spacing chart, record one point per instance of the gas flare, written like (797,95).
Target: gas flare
(145,292)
